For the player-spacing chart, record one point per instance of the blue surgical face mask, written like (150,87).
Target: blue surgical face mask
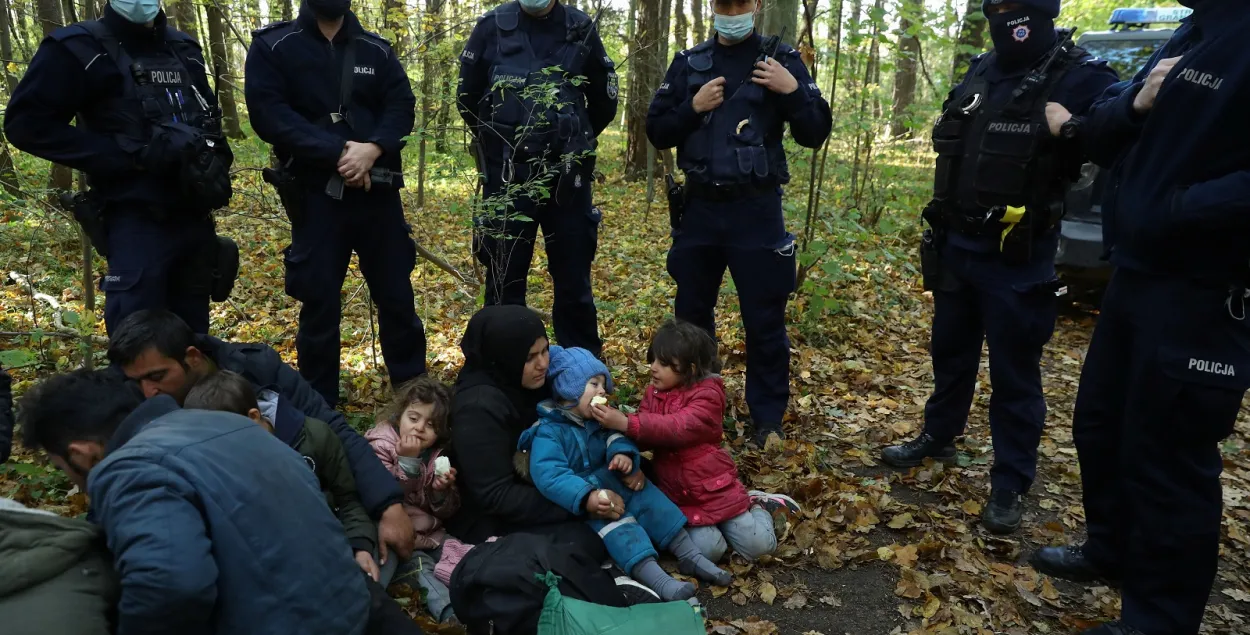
(734,27)
(137,11)
(534,6)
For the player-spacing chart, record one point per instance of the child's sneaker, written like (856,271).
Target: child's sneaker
(773,502)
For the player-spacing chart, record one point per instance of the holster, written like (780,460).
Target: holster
(931,261)
(89,212)
(289,192)
(676,201)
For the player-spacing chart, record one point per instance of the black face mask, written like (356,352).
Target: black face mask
(1021,37)
(330,9)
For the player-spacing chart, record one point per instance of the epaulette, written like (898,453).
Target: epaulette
(270,27)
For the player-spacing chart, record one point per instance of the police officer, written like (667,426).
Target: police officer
(724,105)
(149,141)
(537,157)
(989,258)
(1169,362)
(336,104)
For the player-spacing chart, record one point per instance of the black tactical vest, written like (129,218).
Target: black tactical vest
(1007,145)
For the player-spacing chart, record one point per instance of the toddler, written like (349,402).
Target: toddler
(681,419)
(408,441)
(592,471)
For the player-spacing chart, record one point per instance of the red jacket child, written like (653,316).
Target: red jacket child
(684,428)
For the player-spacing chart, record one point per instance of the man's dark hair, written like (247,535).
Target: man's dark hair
(424,389)
(225,391)
(83,405)
(687,349)
(150,328)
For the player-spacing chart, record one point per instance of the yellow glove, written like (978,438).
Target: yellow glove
(1011,218)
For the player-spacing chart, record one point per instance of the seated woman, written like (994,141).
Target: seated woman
(496,397)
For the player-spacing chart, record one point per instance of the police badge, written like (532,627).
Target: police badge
(612,87)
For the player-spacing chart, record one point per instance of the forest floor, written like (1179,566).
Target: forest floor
(875,551)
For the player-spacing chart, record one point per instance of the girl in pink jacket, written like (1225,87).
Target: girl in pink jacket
(408,441)
(681,419)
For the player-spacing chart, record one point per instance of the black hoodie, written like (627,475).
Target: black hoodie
(489,412)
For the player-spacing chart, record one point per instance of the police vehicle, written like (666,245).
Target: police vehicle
(1126,46)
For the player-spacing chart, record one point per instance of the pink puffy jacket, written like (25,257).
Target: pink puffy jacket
(426,507)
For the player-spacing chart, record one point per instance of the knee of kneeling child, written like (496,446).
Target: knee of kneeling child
(758,545)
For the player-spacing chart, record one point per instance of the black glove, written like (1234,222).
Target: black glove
(161,155)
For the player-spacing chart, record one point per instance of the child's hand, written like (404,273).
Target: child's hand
(635,481)
(621,463)
(610,418)
(604,505)
(410,446)
(365,560)
(444,481)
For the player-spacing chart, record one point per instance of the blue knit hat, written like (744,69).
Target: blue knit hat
(571,368)
(1050,7)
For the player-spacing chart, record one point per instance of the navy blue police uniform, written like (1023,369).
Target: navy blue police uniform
(295,85)
(735,166)
(123,81)
(523,146)
(998,197)
(1169,362)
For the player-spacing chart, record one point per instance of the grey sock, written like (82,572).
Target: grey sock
(691,561)
(669,589)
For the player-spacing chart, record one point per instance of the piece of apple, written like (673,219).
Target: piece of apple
(599,400)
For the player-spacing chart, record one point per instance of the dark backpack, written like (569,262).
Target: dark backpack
(496,589)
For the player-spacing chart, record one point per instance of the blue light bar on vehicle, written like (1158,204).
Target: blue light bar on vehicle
(1149,16)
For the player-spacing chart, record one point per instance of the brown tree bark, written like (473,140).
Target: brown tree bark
(429,68)
(6,46)
(700,31)
(48,14)
(971,39)
(288,10)
(911,14)
(645,72)
(185,17)
(680,25)
(221,72)
(779,16)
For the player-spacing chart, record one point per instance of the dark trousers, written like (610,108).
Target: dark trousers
(322,241)
(504,244)
(157,265)
(1156,398)
(982,299)
(749,239)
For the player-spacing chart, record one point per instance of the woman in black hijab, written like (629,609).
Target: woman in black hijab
(496,398)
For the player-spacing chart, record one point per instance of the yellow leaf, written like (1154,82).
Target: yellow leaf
(885,553)
(900,521)
(719,591)
(931,607)
(739,599)
(1048,590)
(971,507)
(768,593)
(906,556)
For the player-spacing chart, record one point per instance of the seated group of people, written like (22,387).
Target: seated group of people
(273,514)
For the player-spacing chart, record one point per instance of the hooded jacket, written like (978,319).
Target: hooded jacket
(55,574)
(489,412)
(262,366)
(684,427)
(204,512)
(426,507)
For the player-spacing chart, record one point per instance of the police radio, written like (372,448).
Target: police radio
(1038,75)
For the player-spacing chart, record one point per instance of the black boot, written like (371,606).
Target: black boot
(1112,628)
(762,432)
(1002,513)
(1069,562)
(913,453)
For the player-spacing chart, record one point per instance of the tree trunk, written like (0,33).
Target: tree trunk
(221,72)
(429,66)
(645,72)
(394,19)
(6,46)
(8,175)
(186,14)
(910,18)
(781,15)
(680,26)
(48,13)
(288,9)
(69,11)
(90,10)
(971,40)
(700,32)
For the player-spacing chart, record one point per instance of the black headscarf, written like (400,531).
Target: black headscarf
(496,345)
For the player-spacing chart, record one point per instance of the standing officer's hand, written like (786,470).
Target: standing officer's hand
(774,76)
(1056,116)
(1146,96)
(356,162)
(710,96)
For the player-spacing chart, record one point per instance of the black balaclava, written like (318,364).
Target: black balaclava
(1022,36)
(329,9)
(495,345)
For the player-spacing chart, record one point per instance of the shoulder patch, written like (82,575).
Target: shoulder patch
(468,55)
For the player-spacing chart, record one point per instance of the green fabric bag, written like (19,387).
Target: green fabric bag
(567,616)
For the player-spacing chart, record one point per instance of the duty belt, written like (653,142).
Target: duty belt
(722,192)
